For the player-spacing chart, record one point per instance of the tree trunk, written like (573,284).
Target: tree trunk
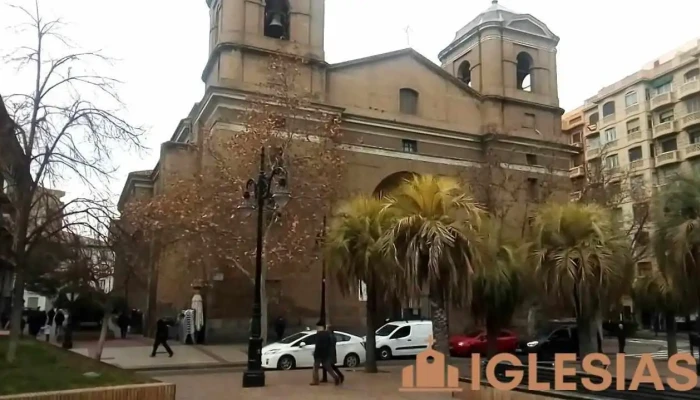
(371,342)
(599,330)
(587,341)
(16,315)
(671,338)
(103,334)
(532,320)
(438,314)
(491,338)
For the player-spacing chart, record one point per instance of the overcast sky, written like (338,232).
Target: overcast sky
(162,45)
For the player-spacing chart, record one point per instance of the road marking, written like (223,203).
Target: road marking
(658,355)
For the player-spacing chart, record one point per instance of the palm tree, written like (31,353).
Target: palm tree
(576,250)
(431,240)
(356,255)
(498,285)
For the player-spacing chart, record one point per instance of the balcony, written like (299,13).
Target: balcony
(636,108)
(641,164)
(689,89)
(576,172)
(692,150)
(611,145)
(662,100)
(575,196)
(591,129)
(690,120)
(668,157)
(638,136)
(664,129)
(607,120)
(593,153)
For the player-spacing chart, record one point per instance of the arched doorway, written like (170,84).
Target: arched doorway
(394,308)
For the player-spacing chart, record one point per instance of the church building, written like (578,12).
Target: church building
(494,92)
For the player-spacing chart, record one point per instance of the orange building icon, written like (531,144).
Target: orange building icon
(430,373)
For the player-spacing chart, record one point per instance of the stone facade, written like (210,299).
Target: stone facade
(494,97)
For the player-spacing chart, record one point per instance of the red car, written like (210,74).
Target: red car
(475,342)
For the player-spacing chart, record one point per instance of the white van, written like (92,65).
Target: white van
(403,338)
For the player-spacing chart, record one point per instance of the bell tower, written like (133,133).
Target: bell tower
(510,58)
(243,34)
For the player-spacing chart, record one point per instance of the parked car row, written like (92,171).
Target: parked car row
(408,338)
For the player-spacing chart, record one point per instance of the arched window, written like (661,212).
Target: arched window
(608,108)
(692,75)
(465,72)
(594,118)
(524,72)
(277,19)
(408,101)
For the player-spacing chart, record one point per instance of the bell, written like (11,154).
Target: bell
(275,27)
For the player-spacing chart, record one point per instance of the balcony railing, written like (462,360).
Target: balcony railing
(689,88)
(593,153)
(575,172)
(692,150)
(664,129)
(641,164)
(638,136)
(575,196)
(690,120)
(668,157)
(608,119)
(663,99)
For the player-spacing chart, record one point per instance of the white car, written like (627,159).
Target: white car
(297,351)
(403,338)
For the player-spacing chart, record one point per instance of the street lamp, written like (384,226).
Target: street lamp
(320,240)
(269,192)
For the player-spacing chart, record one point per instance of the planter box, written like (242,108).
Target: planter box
(149,391)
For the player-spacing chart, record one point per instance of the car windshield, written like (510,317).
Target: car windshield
(292,338)
(474,334)
(386,330)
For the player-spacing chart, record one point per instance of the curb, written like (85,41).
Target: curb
(189,367)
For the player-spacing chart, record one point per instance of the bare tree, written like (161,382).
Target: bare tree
(64,136)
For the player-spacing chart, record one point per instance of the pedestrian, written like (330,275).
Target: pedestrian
(621,337)
(333,358)
(280,326)
(123,322)
(161,337)
(322,354)
(59,318)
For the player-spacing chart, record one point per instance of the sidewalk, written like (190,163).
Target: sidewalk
(134,354)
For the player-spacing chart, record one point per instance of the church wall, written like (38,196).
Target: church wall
(376,86)
(546,122)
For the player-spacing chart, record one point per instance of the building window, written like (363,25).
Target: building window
(465,73)
(640,211)
(524,72)
(576,137)
(630,99)
(593,142)
(610,135)
(409,146)
(666,116)
(669,145)
(694,137)
(665,88)
(643,238)
(531,159)
(693,105)
(692,75)
(637,183)
(612,161)
(635,153)
(408,101)
(277,19)
(575,120)
(533,188)
(643,268)
(594,118)
(633,126)
(529,121)
(608,108)
(664,175)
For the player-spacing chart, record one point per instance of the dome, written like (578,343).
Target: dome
(495,13)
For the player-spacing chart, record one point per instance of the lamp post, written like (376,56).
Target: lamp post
(259,195)
(320,239)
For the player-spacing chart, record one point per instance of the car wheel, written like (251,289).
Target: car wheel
(286,363)
(384,353)
(352,360)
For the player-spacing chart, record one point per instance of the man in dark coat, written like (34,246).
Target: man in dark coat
(59,318)
(333,359)
(123,322)
(280,326)
(322,354)
(161,337)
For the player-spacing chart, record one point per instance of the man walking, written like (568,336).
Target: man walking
(322,354)
(59,318)
(123,322)
(161,337)
(333,358)
(280,326)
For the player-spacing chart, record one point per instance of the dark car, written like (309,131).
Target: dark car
(550,341)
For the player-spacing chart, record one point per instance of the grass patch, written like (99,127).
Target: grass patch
(42,367)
